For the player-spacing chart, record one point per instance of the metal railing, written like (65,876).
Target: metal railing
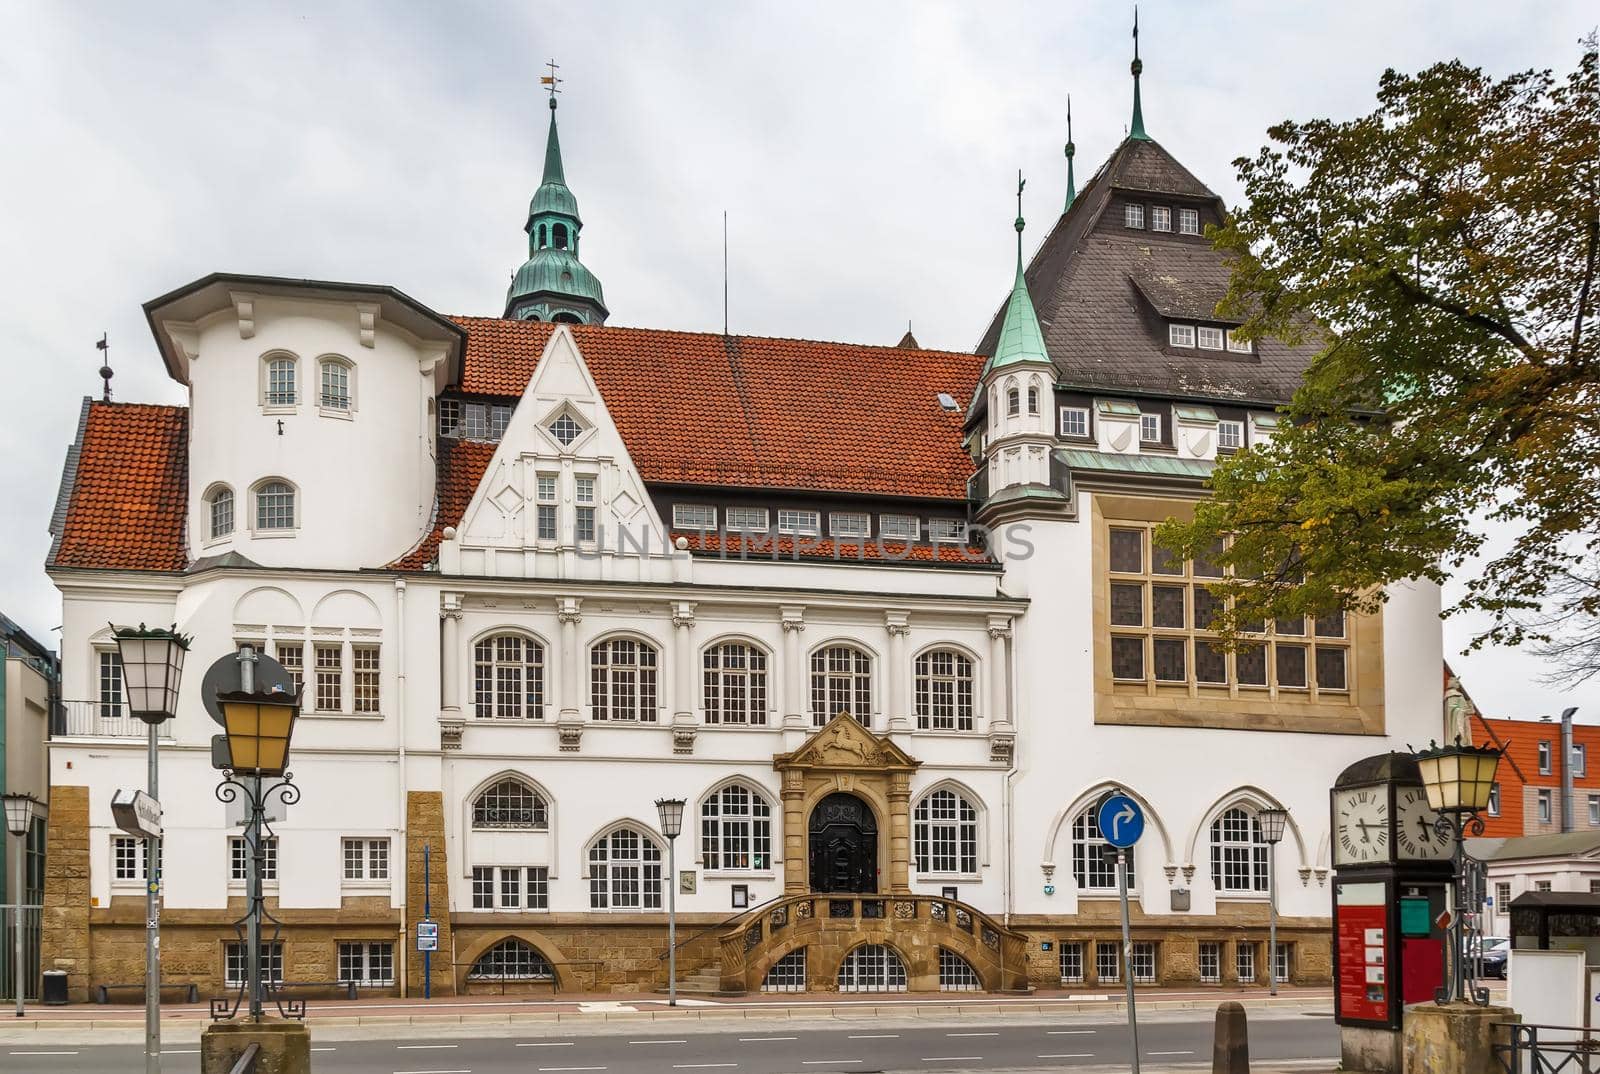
(247,1060)
(32,916)
(91,719)
(1540,1049)
(723,924)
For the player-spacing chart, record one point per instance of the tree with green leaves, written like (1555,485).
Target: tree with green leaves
(1442,251)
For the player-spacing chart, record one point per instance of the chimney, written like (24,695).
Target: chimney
(1566,769)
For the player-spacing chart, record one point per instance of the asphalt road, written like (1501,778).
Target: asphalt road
(770,1048)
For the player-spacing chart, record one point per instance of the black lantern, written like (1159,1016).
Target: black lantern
(152,666)
(1458,778)
(259,726)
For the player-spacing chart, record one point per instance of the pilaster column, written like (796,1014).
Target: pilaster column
(683,722)
(1002,728)
(569,724)
(347,677)
(795,880)
(899,833)
(451,720)
(897,623)
(794,672)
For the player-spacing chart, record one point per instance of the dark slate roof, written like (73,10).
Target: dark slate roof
(1103,293)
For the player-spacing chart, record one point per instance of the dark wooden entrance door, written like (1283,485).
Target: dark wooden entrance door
(844,845)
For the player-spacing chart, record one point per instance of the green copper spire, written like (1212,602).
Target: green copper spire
(553,285)
(1137,129)
(1072,190)
(1021,341)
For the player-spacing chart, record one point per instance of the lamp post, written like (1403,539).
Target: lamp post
(1272,822)
(152,668)
(258,725)
(1458,780)
(671,810)
(20,811)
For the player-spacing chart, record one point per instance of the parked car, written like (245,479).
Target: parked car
(1494,954)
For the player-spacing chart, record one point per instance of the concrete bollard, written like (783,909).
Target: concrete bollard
(1230,1046)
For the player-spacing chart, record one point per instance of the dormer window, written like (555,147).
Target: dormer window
(1236,344)
(1075,422)
(1160,218)
(1188,221)
(1149,428)
(1180,335)
(1210,338)
(1230,435)
(1133,216)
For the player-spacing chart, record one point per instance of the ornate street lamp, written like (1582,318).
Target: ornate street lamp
(152,669)
(21,809)
(1459,779)
(1272,822)
(671,810)
(258,725)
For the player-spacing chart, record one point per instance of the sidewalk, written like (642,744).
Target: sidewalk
(645,1007)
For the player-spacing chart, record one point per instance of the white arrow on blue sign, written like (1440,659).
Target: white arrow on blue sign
(1121,821)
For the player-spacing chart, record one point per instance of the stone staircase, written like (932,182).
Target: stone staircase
(705,981)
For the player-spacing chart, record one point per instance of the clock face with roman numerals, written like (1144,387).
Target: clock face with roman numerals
(1361,825)
(1414,835)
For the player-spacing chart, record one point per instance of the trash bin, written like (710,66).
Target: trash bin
(55,987)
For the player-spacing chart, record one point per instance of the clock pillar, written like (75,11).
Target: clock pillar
(1390,886)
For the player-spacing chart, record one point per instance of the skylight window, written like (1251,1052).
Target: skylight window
(948,401)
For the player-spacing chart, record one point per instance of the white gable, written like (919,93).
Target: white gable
(560,464)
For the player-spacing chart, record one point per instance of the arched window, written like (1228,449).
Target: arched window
(510,803)
(280,381)
(622,680)
(625,872)
(275,506)
(566,317)
(788,974)
(508,678)
(544,236)
(220,509)
(945,834)
(511,960)
(335,393)
(735,684)
(1238,853)
(1013,402)
(560,233)
(736,830)
(872,967)
(841,681)
(1092,870)
(1033,398)
(956,973)
(944,691)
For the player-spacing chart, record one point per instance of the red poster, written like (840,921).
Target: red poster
(1363,963)
(1423,962)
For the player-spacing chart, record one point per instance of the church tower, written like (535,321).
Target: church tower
(553,285)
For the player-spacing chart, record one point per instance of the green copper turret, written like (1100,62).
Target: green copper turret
(1021,340)
(553,285)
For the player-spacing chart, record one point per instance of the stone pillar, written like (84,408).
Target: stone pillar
(794,672)
(569,723)
(425,827)
(898,625)
(683,722)
(899,833)
(1452,1038)
(64,942)
(795,880)
(451,720)
(1002,729)
(285,1047)
(1230,1040)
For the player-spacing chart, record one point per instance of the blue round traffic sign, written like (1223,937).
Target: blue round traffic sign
(1121,821)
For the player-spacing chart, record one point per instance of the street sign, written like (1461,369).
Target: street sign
(136,813)
(427,936)
(1121,821)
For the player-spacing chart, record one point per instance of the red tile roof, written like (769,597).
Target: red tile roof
(130,497)
(751,411)
(460,467)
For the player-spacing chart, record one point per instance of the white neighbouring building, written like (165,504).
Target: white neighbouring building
(535,572)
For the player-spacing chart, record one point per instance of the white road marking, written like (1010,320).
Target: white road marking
(658,1042)
(873,1036)
(753,1040)
(545,1044)
(993,1034)
(951,1058)
(180,1051)
(423,1047)
(41,1053)
(603,1006)
(570,1068)
(1067,1055)
(700,1066)
(326,1049)
(433,1072)
(1168,1053)
(1067,1032)
(825,1062)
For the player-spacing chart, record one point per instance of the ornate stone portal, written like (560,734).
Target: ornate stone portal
(846,758)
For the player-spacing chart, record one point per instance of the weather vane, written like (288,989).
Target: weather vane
(551,81)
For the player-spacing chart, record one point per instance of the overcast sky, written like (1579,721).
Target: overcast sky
(866,155)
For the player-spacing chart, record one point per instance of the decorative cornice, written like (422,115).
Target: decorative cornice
(244,307)
(683,614)
(897,623)
(567,610)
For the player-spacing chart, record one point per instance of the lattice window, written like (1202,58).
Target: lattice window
(849,524)
(736,830)
(1107,963)
(565,429)
(1230,435)
(625,872)
(280,382)
(944,687)
(450,417)
(546,506)
(622,680)
(275,506)
(841,681)
(366,859)
(1075,422)
(956,974)
(899,527)
(694,516)
(788,974)
(335,385)
(366,677)
(1244,961)
(872,967)
(1188,221)
(508,678)
(1092,870)
(735,679)
(292,655)
(510,803)
(1069,960)
(233,963)
(130,858)
(239,859)
(1144,962)
(746,519)
(111,697)
(1282,961)
(946,834)
(330,677)
(1160,218)
(369,965)
(221,508)
(801,523)
(1210,962)
(1238,853)
(512,960)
